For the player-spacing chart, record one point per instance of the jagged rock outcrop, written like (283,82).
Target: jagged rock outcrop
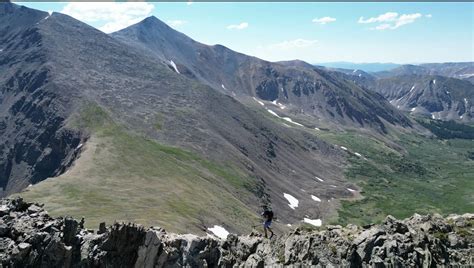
(29,237)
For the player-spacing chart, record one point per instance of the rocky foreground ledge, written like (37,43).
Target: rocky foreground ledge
(31,238)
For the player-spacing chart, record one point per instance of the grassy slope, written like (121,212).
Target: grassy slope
(431,176)
(123,176)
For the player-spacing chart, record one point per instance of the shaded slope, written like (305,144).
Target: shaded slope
(35,145)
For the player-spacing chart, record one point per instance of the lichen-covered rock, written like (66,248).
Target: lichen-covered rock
(30,238)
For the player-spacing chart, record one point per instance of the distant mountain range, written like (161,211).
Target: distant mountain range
(367,67)
(442,91)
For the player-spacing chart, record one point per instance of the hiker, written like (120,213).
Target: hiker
(268,216)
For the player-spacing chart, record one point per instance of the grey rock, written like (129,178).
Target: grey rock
(64,243)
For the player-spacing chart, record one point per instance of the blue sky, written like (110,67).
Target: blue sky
(314,32)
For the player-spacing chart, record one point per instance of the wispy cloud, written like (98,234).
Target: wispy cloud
(292,44)
(176,23)
(428,16)
(113,15)
(240,26)
(324,20)
(390,20)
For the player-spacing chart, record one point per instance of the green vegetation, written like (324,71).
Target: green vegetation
(125,177)
(449,129)
(422,176)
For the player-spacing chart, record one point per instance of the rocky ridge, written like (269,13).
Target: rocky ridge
(29,237)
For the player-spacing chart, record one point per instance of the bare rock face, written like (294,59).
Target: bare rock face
(31,238)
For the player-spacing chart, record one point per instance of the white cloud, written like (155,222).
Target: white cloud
(176,23)
(240,26)
(113,15)
(324,20)
(292,44)
(428,16)
(391,20)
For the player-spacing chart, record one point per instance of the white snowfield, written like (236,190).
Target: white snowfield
(316,222)
(293,202)
(273,113)
(219,231)
(315,198)
(174,66)
(291,121)
(259,102)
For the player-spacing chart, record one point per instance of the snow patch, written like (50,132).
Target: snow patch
(413,109)
(274,102)
(317,129)
(289,225)
(223,87)
(319,179)
(343,148)
(465,102)
(283,107)
(350,190)
(219,231)
(293,202)
(413,87)
(360,75)
(259,102)
(315,198)
(291,121)
(461,117)
(174,66)
(79,146)
(434,82)
(466,75)
(357,154)
(433,116)
(316,222)
(333,186)
(273,113)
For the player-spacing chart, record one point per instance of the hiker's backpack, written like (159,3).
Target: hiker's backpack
(269,214)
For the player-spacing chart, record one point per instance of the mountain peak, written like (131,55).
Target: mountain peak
(152,22)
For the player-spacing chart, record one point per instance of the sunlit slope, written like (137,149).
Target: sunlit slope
(125,177)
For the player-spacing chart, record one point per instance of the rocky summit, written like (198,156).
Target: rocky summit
(29,237)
